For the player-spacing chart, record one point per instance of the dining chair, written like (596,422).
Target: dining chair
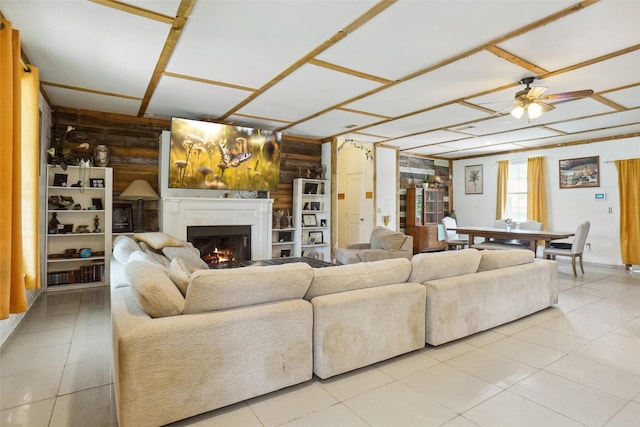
(454,240)
(531,225)
(577,247)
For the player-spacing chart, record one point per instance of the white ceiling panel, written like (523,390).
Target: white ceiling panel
(517,135)
(629,98)
(430,138)
(190,99)
(471,75)
(305,92)
(592,123)
(437,149)
(432,119)
(390,52)
(597,30)
(584,136)
(94,102)
(164,7)
(249,43)
(334,122)
(99,48)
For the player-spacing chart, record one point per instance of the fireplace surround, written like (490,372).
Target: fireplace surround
(177,213)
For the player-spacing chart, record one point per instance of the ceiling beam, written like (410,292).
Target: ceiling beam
(124,7)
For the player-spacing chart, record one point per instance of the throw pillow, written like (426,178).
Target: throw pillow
(179,275)
(157,256)
(492,260)
(383,238)
(123,247)
(158,240)
(153,290)
(172,252)
(145,257)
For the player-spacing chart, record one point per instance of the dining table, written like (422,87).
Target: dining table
(532,236)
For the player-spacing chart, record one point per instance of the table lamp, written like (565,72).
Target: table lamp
(139,190)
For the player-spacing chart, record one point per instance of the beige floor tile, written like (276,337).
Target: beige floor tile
(33,340)
(335,416)
(483,338)
(407,364)
(294,402)
(576,401)
(492,368)
(87,408)
(629,416)
(524,352)
(85,374)
(89,349)
(614,356)
(36,414)
(397,404)
(597,375)
(576,328)
(448,351)
(573,299)
(235,415)
(508,409)
(460,421)
(551,339)
(36,324)
(527,322)
(451,387)
(25,360)
(354,383)
(29,387)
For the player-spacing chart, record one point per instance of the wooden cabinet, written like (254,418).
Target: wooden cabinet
(78,215)
(311,218)
(425,210)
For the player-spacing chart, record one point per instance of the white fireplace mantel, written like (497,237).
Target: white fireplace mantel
(177,213)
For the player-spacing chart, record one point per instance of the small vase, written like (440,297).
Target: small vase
(101,156)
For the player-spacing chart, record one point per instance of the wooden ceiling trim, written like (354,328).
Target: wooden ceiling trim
(364,113)
(348,71)
(591,61)
(608,102)
(508,56)
(184,10)
(370,14)
(615,89)
(123,7)
(115,117)
(476,107)
(251,116)
(207,81)
(98,92)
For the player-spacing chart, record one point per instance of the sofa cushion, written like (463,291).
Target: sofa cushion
(172,252)
(153,290)
(123,247)
(492,260)
(153,254)
(179,275)
(145,257)
(383,238)
(222,289)
(342,278)
(431,266)
(158,240)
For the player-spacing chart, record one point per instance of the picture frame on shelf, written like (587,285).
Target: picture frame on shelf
(309,220)
(122,218)
(310,188)
(96,182)
(323,223)
(315,206)
(66,229)
(96,204)
(316,237)
(285,253)
(284,236)
(60,180)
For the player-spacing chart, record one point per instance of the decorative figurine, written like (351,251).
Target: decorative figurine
(96,223)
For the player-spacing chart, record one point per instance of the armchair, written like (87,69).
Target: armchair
(383,244)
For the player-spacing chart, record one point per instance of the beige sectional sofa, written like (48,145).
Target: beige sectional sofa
(188,340)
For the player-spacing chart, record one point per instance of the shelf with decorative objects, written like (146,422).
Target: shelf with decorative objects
(312,215)
(78,242)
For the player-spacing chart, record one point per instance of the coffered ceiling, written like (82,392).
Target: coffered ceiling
(434,78)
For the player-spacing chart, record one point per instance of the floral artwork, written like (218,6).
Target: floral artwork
(205,155)
(473,180)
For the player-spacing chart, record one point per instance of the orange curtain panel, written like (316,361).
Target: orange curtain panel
(629,188)
(501,199)
(537,191)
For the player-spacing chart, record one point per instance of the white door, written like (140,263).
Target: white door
(354,196)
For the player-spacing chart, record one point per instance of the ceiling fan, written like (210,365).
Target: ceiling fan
(530,99)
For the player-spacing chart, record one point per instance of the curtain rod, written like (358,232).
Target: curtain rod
(613,161)
(25,67)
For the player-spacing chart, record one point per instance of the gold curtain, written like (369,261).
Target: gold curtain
(537,191)
(629,189)
(19,247)
(503,178)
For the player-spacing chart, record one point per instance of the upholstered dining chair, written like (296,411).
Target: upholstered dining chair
(454,240)
(577,247)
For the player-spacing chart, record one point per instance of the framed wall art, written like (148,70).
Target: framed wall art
(473,179)
(309,220)
(122,218)
(579,173)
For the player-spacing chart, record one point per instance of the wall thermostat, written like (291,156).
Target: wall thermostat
(601,196)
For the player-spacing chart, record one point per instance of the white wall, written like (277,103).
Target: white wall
(386,194)
(7,326)
(567,207)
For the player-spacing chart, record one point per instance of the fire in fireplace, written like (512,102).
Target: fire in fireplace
(221,246)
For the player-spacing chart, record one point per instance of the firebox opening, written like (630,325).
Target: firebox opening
(221,246)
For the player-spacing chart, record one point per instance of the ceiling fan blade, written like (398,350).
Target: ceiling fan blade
(570,95)
(545,107)
(536,91)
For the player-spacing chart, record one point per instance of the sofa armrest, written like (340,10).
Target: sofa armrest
(368,255)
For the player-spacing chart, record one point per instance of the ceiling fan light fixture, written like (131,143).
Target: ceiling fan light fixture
(517,112)
(534,111)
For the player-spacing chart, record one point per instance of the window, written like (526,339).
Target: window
(517,191)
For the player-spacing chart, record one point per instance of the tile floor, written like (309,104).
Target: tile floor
(577,364)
